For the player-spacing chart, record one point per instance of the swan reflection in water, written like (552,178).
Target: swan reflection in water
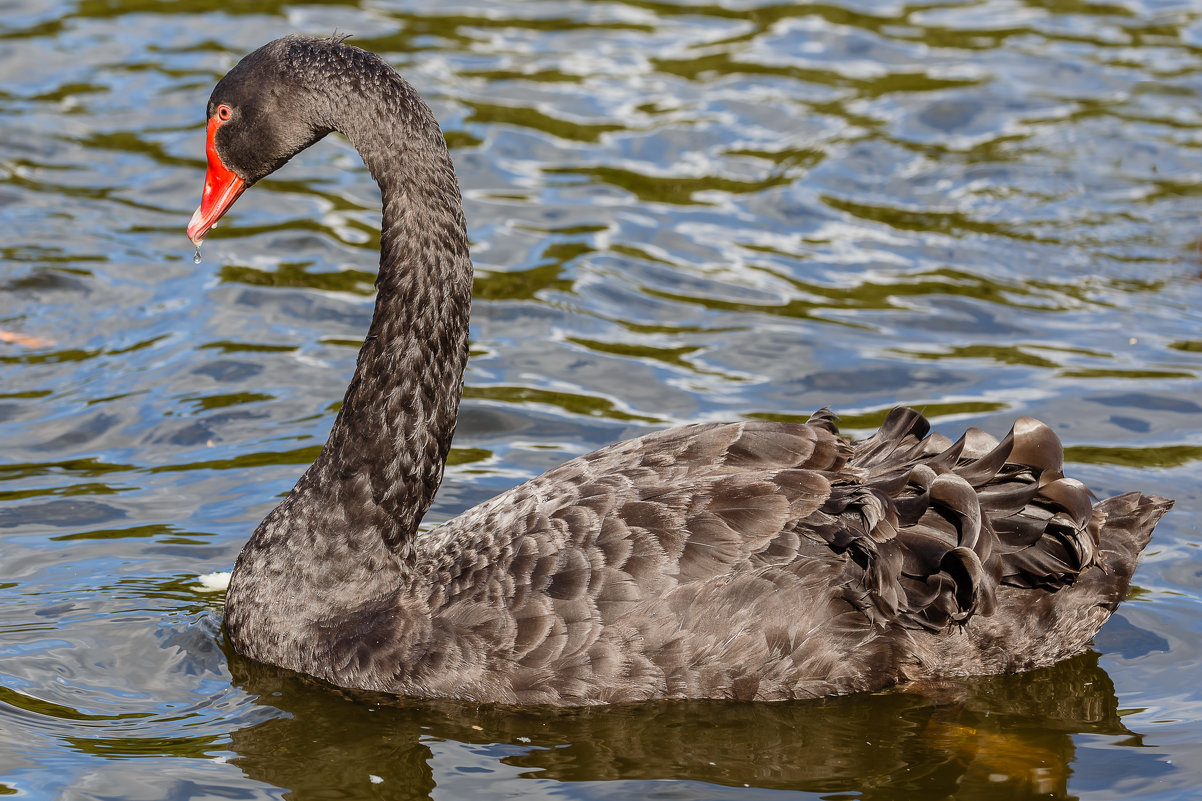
(994,737)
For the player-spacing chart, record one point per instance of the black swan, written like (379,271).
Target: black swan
(745,560)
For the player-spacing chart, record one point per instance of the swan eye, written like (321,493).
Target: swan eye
(224,112)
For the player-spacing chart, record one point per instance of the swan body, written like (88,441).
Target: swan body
(748,560)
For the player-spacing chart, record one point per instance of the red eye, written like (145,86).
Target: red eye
(224,112)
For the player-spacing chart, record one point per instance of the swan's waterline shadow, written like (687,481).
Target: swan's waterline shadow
(994,737)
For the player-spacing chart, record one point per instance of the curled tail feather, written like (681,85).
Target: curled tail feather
(941,528)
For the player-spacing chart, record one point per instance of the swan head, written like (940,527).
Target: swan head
(267,109)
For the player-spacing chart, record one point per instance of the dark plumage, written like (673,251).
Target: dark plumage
(746,560)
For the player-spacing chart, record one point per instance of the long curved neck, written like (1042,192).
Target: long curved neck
(343,539)
(384,460)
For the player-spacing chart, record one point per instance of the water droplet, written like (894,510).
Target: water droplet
(196,258)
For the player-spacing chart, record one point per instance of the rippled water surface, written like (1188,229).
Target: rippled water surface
(679,212)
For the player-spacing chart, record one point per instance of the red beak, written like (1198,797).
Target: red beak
(222,188)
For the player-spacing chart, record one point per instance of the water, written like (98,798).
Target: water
(679,213)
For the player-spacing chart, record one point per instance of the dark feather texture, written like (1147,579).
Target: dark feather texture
(752,560)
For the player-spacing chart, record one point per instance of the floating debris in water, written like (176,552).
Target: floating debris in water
(213,582)
(25,340)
